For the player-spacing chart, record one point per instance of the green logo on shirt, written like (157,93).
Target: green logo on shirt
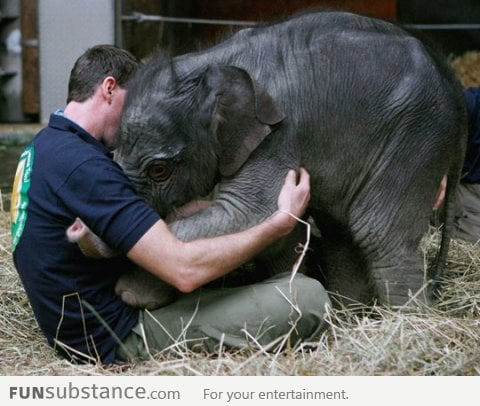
(21,184)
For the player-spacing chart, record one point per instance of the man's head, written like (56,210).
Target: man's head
(95,65)
(97,90)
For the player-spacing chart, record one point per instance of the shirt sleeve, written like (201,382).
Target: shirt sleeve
(100,194)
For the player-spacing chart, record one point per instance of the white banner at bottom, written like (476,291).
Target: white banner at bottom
(237,391)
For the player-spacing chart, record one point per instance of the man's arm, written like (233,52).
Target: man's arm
(189,265)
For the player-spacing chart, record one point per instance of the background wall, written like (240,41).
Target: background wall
(10,61)
(67,29)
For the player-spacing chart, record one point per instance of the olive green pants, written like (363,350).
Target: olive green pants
(268,314)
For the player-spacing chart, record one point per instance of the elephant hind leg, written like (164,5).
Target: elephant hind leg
(391,246)
(354,277)
(396,283)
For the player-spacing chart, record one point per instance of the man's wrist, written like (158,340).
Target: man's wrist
(283,221)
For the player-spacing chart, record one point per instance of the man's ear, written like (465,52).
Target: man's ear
(109,84)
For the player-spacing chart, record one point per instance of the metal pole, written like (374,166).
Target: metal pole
(139,17)
(442,26)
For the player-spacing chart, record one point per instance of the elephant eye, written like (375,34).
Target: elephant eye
(159,171)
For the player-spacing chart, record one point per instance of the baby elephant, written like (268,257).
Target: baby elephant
(376,117)
(138,288)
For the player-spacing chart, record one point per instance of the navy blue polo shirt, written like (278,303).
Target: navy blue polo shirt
(66,173)
(471,165)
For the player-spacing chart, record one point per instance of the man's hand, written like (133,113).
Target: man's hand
(293,198)
(295,193)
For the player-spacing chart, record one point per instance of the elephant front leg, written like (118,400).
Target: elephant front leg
(223,217)
(218,219)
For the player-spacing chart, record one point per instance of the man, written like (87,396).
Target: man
(467,212)
(67,172)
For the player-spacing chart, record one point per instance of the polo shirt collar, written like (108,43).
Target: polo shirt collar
(62,123)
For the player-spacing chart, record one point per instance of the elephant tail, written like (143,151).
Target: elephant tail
(435,273)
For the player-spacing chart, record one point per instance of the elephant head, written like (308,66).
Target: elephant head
(181,134)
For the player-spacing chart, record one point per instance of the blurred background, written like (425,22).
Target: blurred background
(41,39)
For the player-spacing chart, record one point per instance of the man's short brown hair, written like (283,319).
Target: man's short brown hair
(98,62)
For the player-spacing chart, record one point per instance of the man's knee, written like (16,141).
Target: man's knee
(306,300)
(305,290)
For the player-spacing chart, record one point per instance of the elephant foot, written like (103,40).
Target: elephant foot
(142,290)
(153,301)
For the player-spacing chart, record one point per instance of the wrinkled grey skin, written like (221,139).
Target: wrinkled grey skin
(364,107)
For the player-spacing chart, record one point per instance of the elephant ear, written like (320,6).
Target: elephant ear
(243,115)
